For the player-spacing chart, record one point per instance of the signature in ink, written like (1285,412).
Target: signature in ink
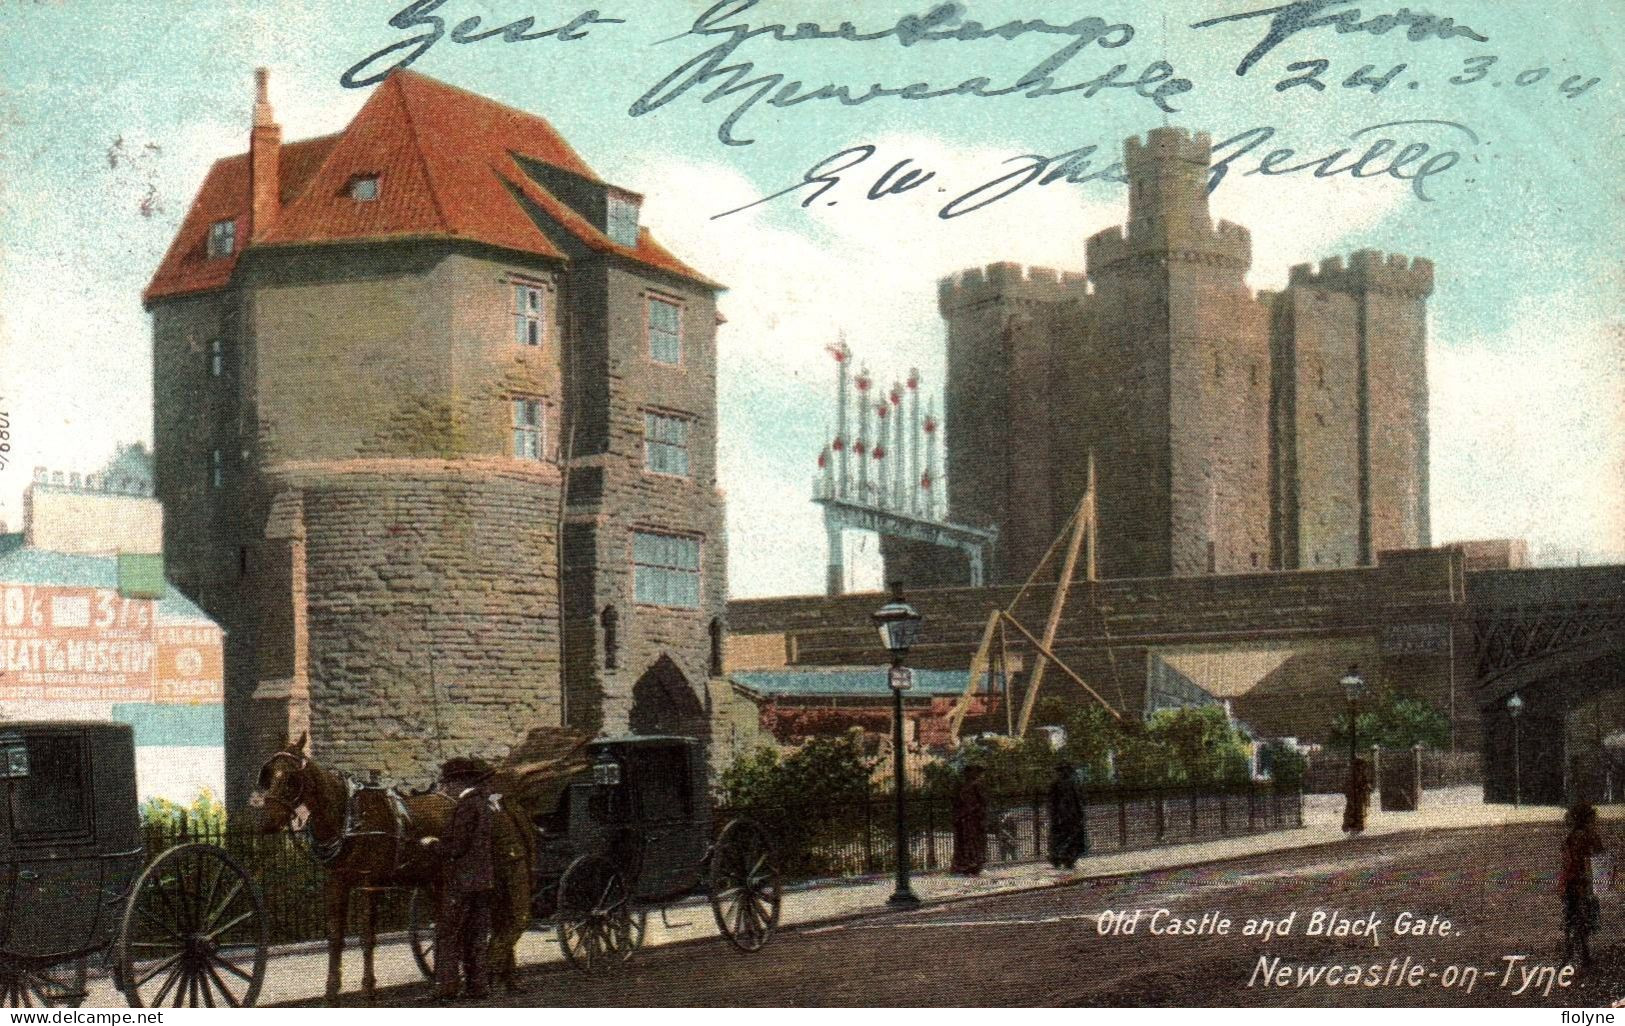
(420,13)
(1414,162)
(944,22)
(1288,19)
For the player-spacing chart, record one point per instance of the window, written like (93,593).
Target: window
(54,798)
(217,469)
(665,444)
(666,569)
(716,648)
(622,221)
(529,428)
(217,357)
(364,188)
(222,238)
(610,621)
(665,332)
(529,321)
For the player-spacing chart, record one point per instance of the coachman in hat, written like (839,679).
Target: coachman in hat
(467,880)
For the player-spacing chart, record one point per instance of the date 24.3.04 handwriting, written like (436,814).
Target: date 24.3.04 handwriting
(5,439)
(1474,69)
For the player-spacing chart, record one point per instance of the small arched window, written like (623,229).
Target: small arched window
(716,648)
(608,620)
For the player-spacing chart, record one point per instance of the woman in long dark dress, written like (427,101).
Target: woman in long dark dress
(971,803)
(1582,913)
(1357,797)
(1068,818)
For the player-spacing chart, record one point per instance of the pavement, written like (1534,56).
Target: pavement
(297,973)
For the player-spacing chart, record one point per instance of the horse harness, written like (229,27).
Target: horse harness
(400,820)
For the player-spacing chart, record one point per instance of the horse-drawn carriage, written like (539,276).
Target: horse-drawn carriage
(632,832)
(189,929)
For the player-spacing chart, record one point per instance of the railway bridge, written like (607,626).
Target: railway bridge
(1275,645)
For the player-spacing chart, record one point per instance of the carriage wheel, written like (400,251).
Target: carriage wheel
(194,933)
(420,931)
(595,923)
(31,986)
(745,891)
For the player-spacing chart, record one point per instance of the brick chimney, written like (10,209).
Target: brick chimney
(264,159)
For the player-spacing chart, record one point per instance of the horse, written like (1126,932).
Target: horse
(369,838)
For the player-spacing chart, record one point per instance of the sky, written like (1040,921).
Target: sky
(111,113)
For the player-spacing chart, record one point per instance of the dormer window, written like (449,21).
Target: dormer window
(222,238)
(622,226)
(364,188)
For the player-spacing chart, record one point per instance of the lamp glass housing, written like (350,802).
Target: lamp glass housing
(1514,706)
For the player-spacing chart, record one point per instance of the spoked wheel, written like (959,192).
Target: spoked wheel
(595,923)
(194,933)
(420,931)
(745,892)
(35,986)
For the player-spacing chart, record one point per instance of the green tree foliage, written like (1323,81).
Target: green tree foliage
(1202,746)
(1178,747)
(205,815)
(1287,764)
(811,802)
(1393,721)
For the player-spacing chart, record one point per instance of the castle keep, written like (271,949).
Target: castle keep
(435,426)
(1232,431)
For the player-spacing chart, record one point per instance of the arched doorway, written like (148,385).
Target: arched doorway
(663,702)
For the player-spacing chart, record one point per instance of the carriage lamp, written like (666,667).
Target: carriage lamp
(606,772)
(899,626)
(13,758)
(1514,710)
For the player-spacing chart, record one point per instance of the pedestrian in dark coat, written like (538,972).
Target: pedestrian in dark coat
(1068,818)
(971,805)
(1582,912)
(467,881)
(1356,797)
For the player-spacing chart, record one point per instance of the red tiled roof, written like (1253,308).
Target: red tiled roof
(447,168)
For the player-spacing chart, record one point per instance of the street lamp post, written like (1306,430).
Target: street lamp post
(1353,689)
(899,628)
(1514,709)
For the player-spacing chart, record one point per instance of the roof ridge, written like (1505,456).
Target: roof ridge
(408,73)
(423,161)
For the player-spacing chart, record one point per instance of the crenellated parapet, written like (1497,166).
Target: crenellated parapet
(1226,244)
(1009,281)
(1167,144)
(1368,271)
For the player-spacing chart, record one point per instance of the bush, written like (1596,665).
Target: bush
(811,802)
(205,815)
(1287,764)
(1394,722)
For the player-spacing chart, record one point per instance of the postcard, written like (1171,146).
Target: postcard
(904,504)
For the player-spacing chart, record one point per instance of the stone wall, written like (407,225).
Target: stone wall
(420,644)
(1405,617)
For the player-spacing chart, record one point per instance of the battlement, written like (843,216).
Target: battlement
(1368,271)
(1226,243)
(1009,281)
(1167,143)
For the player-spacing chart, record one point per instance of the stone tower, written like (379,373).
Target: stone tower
(435,426)
(1233,433)
(1179,348)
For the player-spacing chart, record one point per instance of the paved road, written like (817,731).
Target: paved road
(1045,947)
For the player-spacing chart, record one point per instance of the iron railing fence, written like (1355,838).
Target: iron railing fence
(855,838)
(858,838)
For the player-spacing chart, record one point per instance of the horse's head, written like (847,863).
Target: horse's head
(285,787)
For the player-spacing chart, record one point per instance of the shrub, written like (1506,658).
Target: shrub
(1393,721)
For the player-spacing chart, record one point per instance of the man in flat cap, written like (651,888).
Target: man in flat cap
(467,880)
